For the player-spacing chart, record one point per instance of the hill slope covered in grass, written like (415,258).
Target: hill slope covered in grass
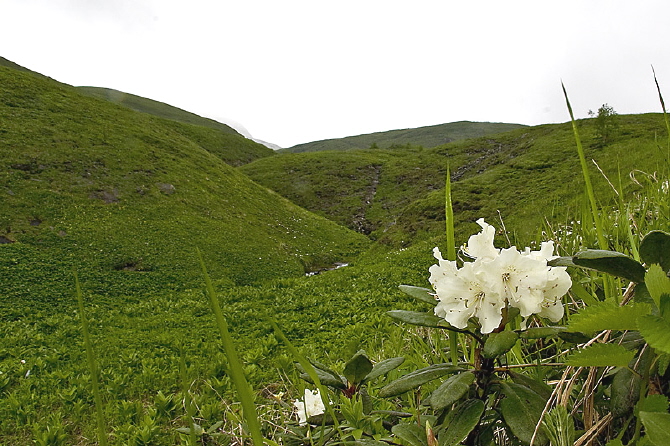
(128,197)
(428,136)
(397,196)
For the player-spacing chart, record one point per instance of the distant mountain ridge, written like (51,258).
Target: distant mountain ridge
(428,136)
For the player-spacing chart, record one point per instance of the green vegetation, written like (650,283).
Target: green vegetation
(398,196)
(156,108)
(127,196)
(124,200)
(429,136)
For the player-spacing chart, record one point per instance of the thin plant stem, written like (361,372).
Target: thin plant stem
(451,254)
(602,243)
(236,371)
(187,399)
(92,367)
(665,114)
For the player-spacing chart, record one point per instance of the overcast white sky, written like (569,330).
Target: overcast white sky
(295,71)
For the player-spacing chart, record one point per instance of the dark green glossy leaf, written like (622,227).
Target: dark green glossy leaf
(655,248)
(417,378)
(535,385)
(610,262)
(411,433)
(561,261)
(357,368)
(625,391)
(460,422)
(521,409)
(383,367)
(499,343)
(451,390)
(418,318)
(422,294)
(326,378)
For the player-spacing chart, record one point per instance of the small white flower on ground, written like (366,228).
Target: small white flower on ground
(312,405)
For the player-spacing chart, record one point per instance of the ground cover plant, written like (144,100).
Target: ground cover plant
(164,374)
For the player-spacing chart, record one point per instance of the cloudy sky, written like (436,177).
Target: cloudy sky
(295,71)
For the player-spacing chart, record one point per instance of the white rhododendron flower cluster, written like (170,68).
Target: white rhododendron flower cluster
(495,279)
(312,405)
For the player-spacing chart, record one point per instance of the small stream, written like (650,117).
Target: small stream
(336,265)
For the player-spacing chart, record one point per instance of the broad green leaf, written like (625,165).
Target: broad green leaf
(411,433)
(521,409)
(657,283)
(451,390)
(655,248)
(656,331)
(460,422)
(418,318)
(663,363)
(417,378)
(383,367)
(357,368)
(535,385)
(654,403)
(561,261)
(541,332)
(607,315)
(601,355)
(657,427)
(610,262)
(625,391)
(422,294)
(324,377)
(615,442)
(499,343)
(324,368)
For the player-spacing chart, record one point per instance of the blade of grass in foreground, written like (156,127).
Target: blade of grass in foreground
(92,367)
(244,392)
(587,179)
(665,114)
(451,254)
(187,400)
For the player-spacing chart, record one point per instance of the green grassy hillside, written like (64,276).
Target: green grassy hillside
(156,108)
(398,196)
(128,197)
(429,136)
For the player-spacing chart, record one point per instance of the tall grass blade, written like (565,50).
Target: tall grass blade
(451,253)
(92,367)
(244,392)
(187,400)
(602,243)
(449,218)
(665,114)
(309,369)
